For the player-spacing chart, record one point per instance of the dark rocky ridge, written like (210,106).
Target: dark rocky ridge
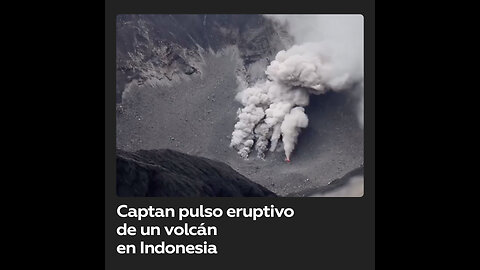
(169,173)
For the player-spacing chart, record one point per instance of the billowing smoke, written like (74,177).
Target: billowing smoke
(290,128)
(328,57)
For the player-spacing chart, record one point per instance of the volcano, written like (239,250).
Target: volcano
(177,78)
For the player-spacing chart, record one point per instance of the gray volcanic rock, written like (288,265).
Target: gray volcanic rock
(350,185)
(169,173)
(195,114)
(152,48)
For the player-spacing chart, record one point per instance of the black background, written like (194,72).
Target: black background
(71,90)
(328,233)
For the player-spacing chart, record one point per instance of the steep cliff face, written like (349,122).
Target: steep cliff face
(155,49)
(169,173)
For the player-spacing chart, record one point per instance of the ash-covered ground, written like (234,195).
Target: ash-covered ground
(188,102)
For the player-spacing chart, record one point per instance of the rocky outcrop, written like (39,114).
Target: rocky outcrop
(157,48)
(168,173)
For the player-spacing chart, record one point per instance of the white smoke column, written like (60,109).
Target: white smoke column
(343,33)
(249,116)
(325,60)
(315,66)
(291,125)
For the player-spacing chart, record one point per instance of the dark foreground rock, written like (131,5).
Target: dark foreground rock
(168,173)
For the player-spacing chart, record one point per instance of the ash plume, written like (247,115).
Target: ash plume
(328,56)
